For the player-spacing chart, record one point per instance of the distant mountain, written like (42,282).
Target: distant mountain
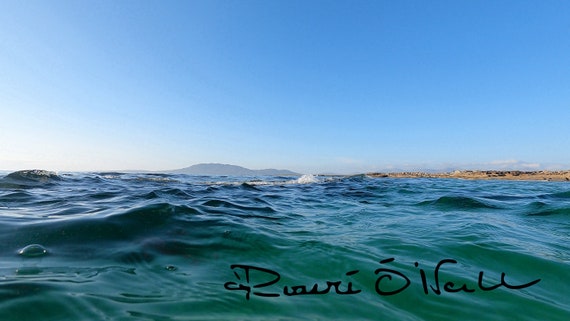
(230,170)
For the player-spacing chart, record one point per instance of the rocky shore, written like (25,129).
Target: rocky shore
(491,174)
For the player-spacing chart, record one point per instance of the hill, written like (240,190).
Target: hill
(215,169)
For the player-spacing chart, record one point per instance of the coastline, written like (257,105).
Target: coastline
(483,175)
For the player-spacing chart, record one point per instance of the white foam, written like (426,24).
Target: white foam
(307,179)
(304,179)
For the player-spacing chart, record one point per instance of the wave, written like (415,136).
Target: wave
(307,179)
(29,178)
(557,196)
(265,181)
(459,203)
(33,175)
(550,212)
(246,181)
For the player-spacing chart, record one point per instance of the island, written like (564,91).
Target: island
(216,169)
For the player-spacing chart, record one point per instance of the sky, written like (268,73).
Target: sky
(311,86)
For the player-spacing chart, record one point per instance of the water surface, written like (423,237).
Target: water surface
(124,246)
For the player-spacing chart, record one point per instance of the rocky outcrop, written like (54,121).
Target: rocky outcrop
(488,174)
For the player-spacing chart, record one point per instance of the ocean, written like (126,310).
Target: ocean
(141,246)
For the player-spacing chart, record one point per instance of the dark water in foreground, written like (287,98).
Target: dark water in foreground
(113,246)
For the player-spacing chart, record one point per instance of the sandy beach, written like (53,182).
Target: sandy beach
(490,174)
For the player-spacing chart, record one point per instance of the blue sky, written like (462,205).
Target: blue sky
(312,86)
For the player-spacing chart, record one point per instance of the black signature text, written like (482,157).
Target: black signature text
(263,282)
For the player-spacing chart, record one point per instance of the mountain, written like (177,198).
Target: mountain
(230,170)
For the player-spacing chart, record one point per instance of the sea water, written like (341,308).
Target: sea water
(140,246)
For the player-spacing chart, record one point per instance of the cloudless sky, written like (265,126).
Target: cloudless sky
(311,86)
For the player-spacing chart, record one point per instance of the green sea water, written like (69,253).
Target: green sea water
(123,246)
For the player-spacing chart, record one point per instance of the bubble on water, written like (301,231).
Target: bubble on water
(171,268)
(33,250)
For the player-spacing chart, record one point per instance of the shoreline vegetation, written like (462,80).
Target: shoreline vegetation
(486,175)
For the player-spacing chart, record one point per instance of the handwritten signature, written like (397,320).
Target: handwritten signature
(268,280)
